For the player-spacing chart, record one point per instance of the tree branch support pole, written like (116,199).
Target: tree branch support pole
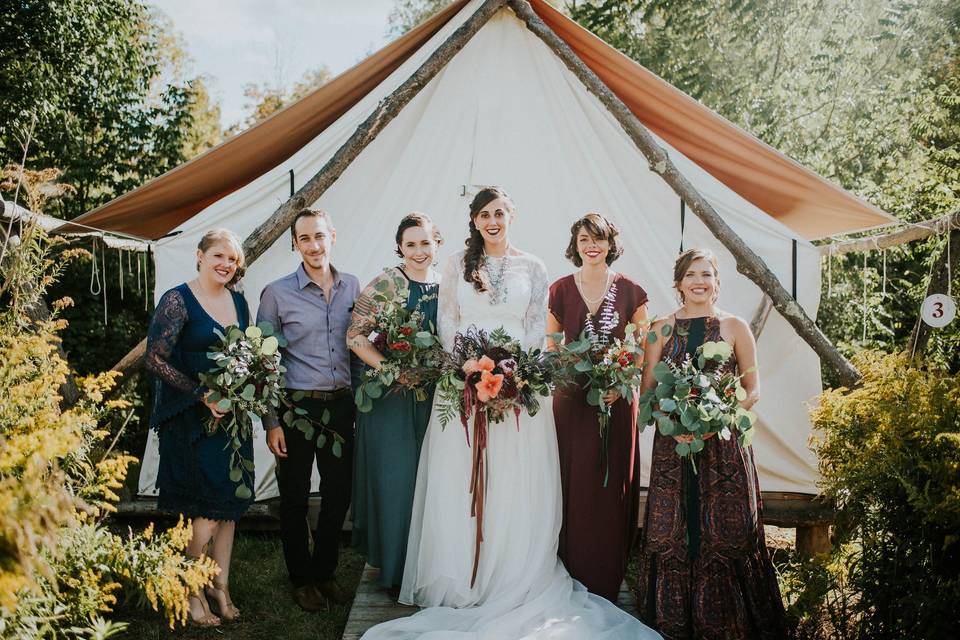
(918,231)
(937,284)
(263,237)
(748,262)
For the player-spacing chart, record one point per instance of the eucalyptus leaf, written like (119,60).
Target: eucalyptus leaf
(593,397)
(682,449)
(243,492)
(666,426)
(236,474)
(325,417)
(336,448)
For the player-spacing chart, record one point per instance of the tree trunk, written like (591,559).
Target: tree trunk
(938,284)
(748,262)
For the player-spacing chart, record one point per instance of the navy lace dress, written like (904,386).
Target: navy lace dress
(193,474)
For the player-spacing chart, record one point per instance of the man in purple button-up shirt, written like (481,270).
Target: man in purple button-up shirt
(312,307)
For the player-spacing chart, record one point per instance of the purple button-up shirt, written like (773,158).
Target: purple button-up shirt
(316,355)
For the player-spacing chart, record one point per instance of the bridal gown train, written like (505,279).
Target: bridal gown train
(522,590)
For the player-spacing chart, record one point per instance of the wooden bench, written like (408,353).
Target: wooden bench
(804,512)
(801,511)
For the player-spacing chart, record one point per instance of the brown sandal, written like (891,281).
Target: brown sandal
(228,611)
(208,619)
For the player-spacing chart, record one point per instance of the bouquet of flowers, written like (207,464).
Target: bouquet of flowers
(697,398)
(246,383)
(608,364)
(490,377)
(412,353)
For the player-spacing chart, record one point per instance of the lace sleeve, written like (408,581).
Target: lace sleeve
(448,308)
(535,319)
(168,321)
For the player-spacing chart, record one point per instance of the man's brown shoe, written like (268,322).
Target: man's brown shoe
(308,598)
(333,592)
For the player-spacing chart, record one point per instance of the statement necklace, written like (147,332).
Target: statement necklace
(498,287)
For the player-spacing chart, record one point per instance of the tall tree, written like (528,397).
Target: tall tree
(101,83)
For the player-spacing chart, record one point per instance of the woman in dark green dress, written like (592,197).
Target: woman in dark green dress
(389,437)
(705,573)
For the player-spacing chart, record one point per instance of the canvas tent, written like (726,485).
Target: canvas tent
(506,110)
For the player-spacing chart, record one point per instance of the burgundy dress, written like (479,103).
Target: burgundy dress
(599,522)
(707,576)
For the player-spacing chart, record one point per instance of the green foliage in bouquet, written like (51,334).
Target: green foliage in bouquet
(493,372)
(605,364)
(412,353)
(697,398)
(247,383)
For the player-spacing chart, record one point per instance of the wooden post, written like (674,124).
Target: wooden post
(813,539)
(267,233)
(748,262)
(937,284)
(918,231)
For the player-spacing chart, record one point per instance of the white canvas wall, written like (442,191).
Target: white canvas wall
(506,111)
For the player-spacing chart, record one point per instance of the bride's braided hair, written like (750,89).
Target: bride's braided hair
(474,254)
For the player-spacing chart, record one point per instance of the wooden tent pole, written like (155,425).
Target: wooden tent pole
(748,262)
(916,231)
(263,237)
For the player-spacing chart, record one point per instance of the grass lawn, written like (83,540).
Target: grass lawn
(261,591)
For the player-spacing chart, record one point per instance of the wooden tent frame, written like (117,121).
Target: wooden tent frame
(748,262)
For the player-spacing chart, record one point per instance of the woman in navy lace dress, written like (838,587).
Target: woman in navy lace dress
(193,474)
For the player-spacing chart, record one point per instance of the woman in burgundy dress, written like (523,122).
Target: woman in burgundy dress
(705,573)
(599,521)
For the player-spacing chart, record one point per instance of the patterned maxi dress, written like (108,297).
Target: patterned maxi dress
(705,573)
(386,453)
(599,522)
(194,469)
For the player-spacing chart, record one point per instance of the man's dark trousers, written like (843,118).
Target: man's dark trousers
(336,479)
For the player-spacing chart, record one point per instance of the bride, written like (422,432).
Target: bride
(521,590)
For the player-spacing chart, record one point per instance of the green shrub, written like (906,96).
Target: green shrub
(890,458)
(61,569)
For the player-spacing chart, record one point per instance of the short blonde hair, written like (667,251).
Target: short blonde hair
(215,236)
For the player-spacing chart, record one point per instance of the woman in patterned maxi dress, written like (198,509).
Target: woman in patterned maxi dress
(705,573)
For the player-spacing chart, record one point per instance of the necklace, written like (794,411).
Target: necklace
(498,288)
(578,278)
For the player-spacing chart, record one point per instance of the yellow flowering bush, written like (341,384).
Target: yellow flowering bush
(62,570)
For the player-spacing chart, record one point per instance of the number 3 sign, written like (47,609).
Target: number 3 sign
(938,310)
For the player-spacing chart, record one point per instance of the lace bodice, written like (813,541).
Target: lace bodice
(522,314)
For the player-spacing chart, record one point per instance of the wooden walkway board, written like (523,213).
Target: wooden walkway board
(372,605)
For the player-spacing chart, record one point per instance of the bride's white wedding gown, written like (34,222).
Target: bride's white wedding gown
(522,590)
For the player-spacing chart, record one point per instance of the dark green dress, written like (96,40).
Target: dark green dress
(386,453)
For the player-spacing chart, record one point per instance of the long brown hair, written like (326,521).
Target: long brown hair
(685,259)
(474,254)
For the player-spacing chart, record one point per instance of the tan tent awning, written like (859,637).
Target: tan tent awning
(167,201)
(805,202)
